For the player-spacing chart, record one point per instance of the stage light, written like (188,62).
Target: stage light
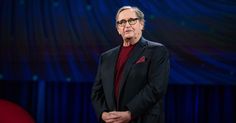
(35,77)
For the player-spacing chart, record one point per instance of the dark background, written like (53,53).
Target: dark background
(49,52)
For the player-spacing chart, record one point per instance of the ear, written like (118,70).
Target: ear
(142,25)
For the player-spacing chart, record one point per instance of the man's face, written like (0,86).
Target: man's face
(129,26)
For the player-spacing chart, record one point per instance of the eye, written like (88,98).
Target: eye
(122,21)
(131,19)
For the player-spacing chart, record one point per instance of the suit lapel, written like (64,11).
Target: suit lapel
(136,52)
(112,63)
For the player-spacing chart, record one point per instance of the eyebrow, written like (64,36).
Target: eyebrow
(128,18)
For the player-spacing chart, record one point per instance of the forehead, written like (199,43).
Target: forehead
(126,14)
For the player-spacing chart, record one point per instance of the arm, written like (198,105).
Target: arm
(97,96)
(156,86)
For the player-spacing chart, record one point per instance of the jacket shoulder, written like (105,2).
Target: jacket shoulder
(157,48)
(111,51)
(155,45)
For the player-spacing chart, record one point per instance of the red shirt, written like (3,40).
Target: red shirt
(123,57)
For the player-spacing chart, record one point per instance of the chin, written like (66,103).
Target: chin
(128,37)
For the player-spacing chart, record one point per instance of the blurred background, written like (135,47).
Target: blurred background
(49,52)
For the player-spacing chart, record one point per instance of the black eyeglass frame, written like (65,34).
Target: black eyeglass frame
(131,21)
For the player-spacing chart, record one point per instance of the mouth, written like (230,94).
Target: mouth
(128,31)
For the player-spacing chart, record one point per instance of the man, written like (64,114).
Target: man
(132,78)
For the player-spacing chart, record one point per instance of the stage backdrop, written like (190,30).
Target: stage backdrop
(60,40)
(49,52)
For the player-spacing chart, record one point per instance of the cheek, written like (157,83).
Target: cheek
(137,30)
(119,31)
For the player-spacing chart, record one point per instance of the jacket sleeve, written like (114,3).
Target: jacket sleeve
(97,95)
(156,85)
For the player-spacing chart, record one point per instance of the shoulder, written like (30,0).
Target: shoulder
(152,45)
(157,50)
(111,51)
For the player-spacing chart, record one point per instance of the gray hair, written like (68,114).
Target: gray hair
(138,12)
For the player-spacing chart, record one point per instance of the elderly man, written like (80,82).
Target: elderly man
(132,78)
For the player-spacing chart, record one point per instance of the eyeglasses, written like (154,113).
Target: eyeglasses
(123,22)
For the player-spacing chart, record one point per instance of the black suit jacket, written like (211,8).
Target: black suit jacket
(142,86)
